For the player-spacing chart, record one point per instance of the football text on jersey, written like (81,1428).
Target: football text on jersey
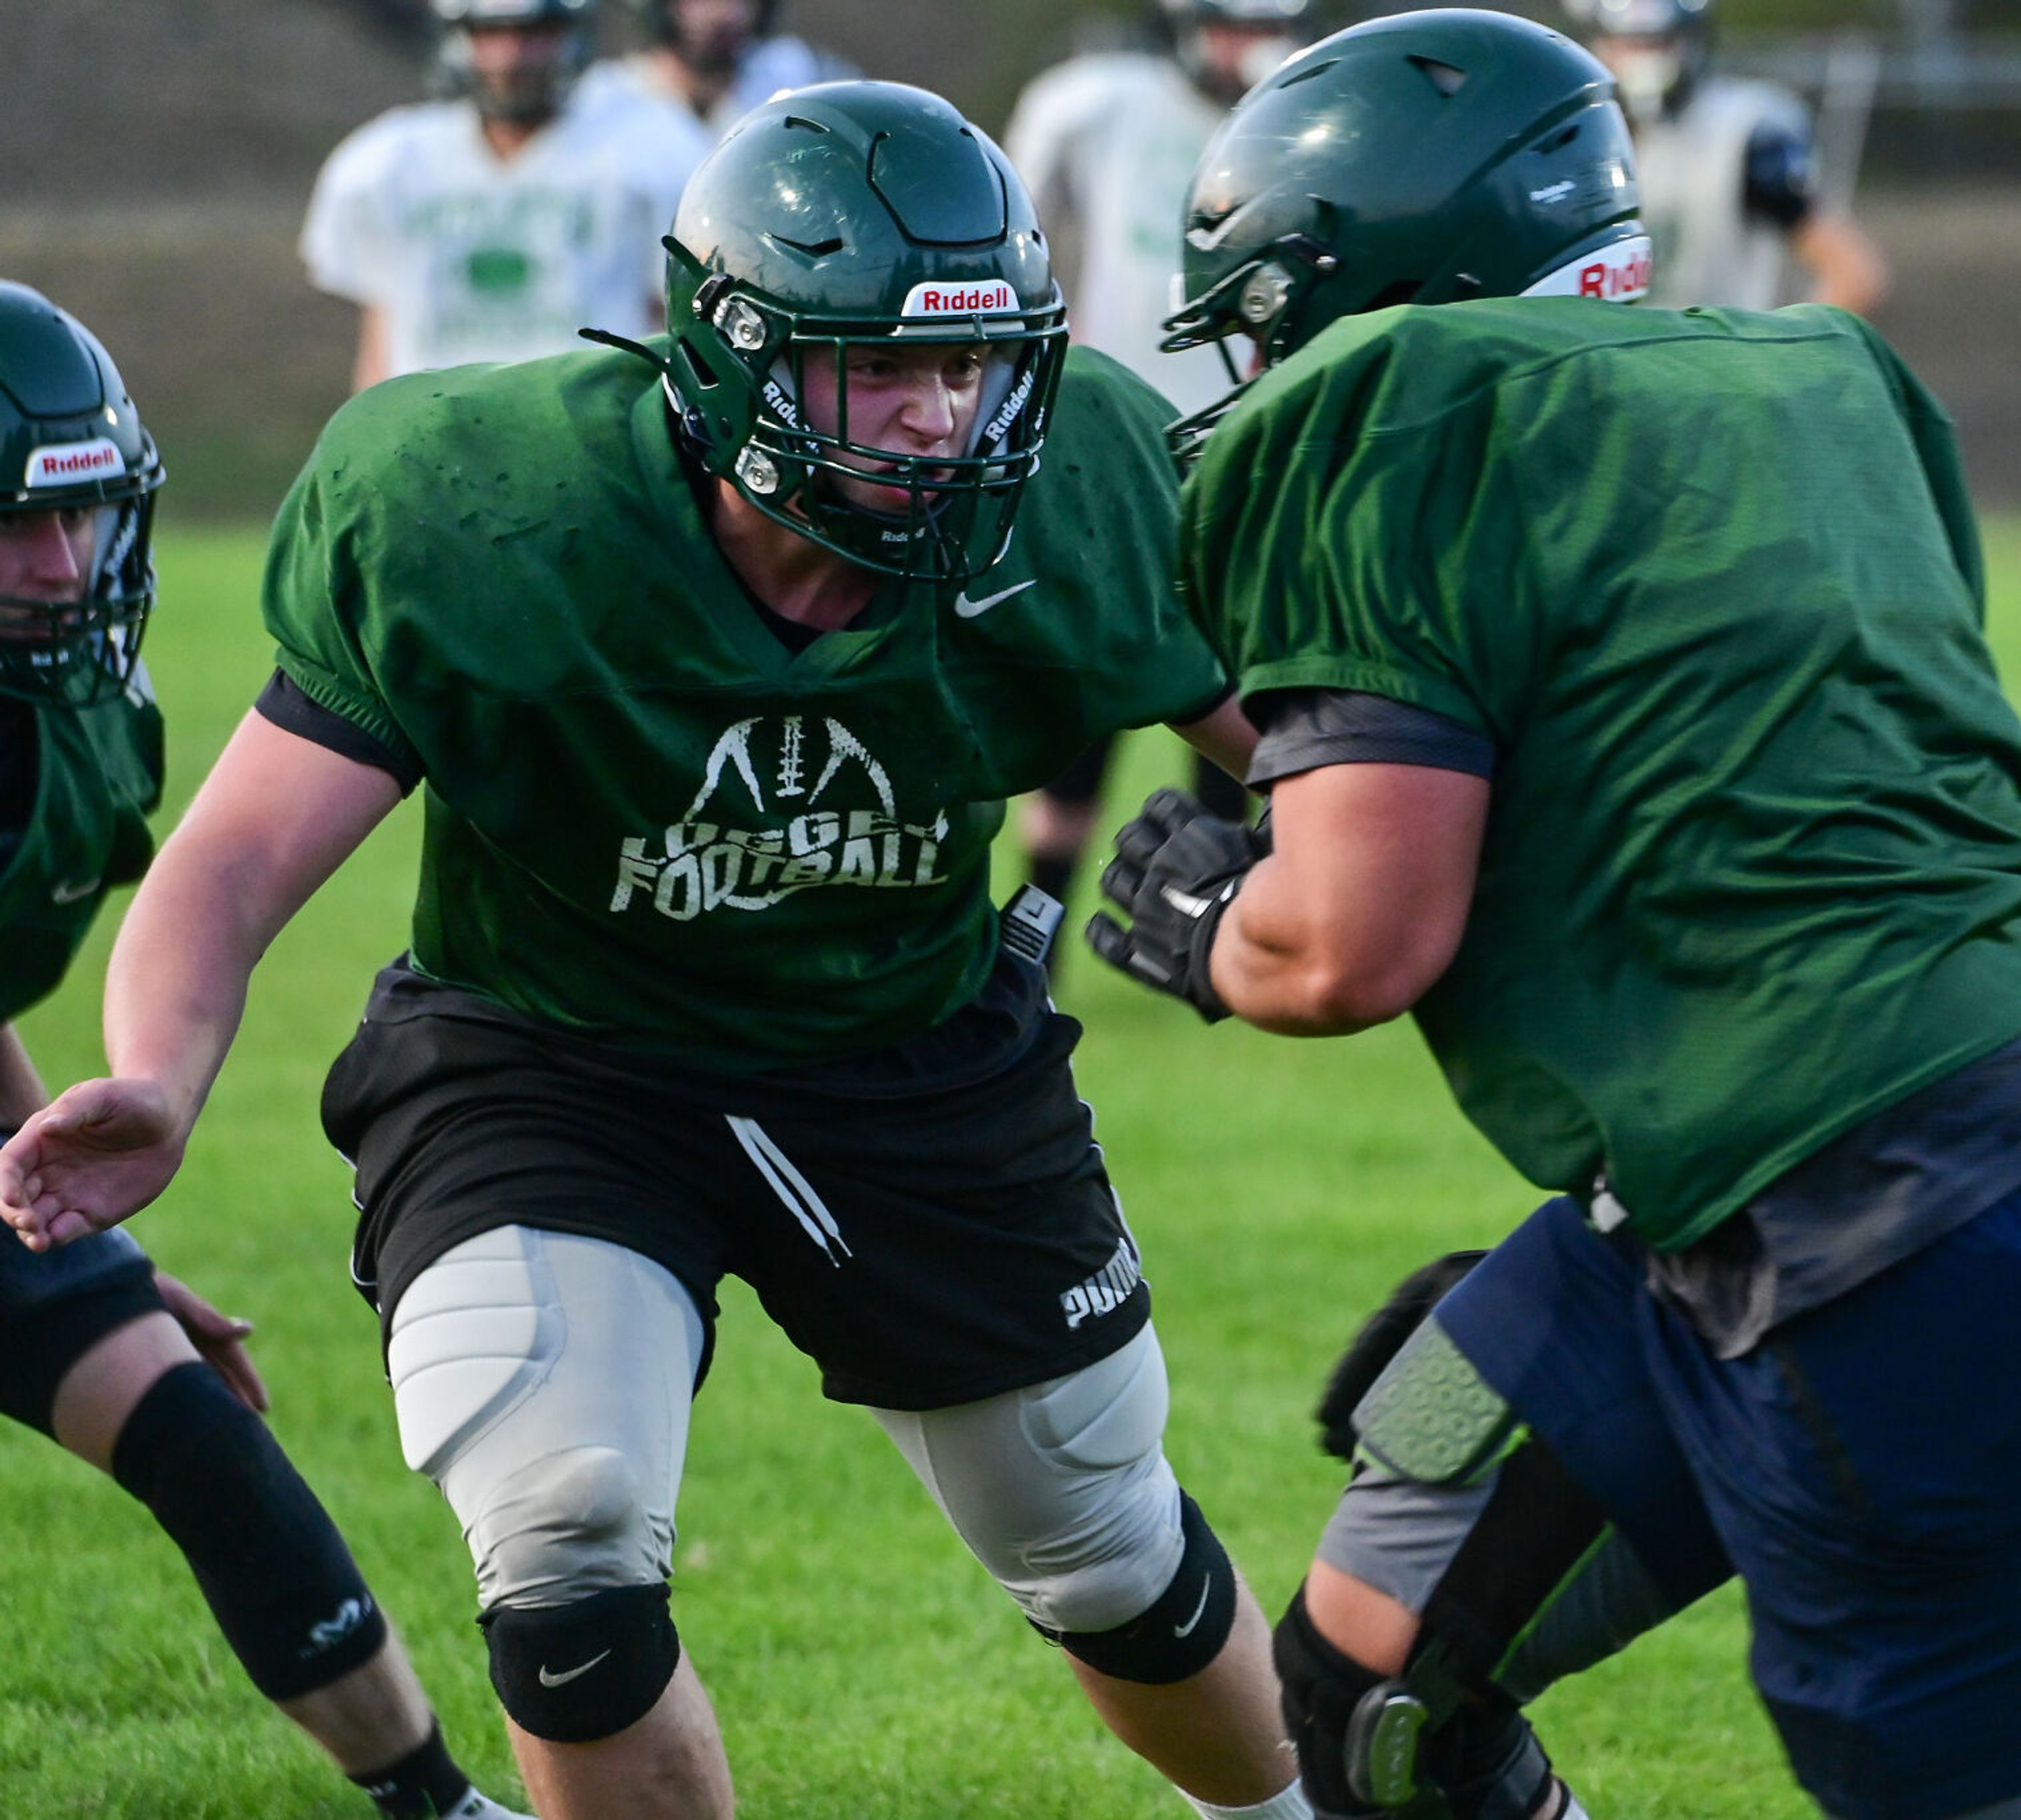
(774,816)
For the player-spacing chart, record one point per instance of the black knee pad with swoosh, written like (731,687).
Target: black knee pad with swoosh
(1183,1631)
(577,1673)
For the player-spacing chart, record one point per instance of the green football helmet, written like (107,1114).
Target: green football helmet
(847,214)
(70,440)
(1425,158)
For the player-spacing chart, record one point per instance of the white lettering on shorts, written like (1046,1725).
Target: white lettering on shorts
(1107,1290)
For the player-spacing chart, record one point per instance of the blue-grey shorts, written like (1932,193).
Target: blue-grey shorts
(1861,1467)
(55,1306)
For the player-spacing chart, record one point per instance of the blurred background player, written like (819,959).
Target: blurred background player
(493,224)
(1107,142)
(718,59)
(111,1359)
(1730,192)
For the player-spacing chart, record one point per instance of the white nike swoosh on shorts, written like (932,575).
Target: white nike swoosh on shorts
(966,609)
(562,1680)
(1186,1629)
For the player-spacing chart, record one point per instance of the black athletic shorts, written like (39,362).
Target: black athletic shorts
(55,1306)
(931,1224)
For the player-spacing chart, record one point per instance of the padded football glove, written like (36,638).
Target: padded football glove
(1176,871)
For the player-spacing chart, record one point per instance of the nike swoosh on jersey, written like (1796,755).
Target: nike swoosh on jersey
(966,609)
(1186,1629)
(68,893)
(562,1680)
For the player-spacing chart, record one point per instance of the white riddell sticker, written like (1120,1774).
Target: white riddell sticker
(991,298)
(1619,273)
(65,464)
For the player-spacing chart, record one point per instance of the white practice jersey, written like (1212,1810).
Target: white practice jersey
(1707,245)
(1107,144)
(772,64)
(473,257)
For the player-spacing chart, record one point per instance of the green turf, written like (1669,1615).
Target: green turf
(861,1664)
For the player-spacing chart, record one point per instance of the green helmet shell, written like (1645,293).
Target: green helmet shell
(1423,157)
(843,214)
(70,438)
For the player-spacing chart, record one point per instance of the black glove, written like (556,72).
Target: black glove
(1177,869)
(1380,1338)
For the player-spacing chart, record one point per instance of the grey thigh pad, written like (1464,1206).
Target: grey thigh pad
(543,1381)
(1400,1536)
(1061,1489)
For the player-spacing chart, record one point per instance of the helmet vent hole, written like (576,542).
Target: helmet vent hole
(1310,71)
(1559,140)
(1443,77)
(812,248)
(793,120)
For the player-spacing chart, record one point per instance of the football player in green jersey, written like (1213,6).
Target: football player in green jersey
(1627,718)
(119,1363)
(718,657)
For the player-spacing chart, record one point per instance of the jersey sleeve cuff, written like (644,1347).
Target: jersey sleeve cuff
(285,704)
(1304,729)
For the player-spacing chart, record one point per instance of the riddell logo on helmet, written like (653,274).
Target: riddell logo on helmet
(1618,274)
(1630,278)
(995,298)
(65,464)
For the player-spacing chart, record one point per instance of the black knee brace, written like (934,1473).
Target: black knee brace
(1369,1745)
(1183,1631)
(576,1672)
(269,1562)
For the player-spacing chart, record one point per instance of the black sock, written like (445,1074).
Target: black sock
(421,1785)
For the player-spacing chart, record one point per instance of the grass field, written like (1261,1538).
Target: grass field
(861,1665)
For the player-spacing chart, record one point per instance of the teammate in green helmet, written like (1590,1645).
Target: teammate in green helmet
(76,470)
(716,656)
(1627,719)
(1520,183)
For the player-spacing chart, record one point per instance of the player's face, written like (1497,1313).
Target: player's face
(915,401)
(1231,57)
(713,35)
(1646,69)
(514,66)
(46,558)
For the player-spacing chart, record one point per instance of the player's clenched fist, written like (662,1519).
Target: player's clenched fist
(1177,869)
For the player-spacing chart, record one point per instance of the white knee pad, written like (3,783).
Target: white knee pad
(543,1381)
(1061,1489)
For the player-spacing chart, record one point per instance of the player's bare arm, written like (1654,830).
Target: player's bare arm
(372,362)
(1361,905)
(1845,267)
(22,1093)
(275,817)
(1225,735)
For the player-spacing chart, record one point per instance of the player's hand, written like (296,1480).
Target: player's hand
(1176,871)
(220,1338)
(96,1154)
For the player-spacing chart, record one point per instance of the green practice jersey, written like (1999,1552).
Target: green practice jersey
(646,817)
(98,775)
(1710,584)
